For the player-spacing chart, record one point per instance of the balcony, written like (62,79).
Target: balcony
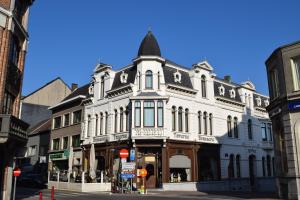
(148,133)
(267,145)
(12,128)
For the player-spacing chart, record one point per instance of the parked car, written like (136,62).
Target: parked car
(31,180)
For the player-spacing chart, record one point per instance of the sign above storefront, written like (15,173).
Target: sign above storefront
(56,156)
(208,139)
(294,105)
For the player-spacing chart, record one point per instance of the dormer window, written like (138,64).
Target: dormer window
(266,102)
(232,93)
(177,77)
(123,77)
(258,101)
(221,90)
(91,89)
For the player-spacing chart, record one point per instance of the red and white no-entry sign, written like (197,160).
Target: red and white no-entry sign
(124,153)
(17,172)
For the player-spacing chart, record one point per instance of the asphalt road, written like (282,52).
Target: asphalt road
(33,194)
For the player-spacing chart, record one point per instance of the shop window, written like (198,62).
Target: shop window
(149,114)
(77,117)
(250,134)
(57,122)
(199,121)
(229,128)
(76,141)
(149,79)
(235,128)
(180,119)
(205,122)
(231,166)
(67,119)
(137,113)
(173,118)
(180,168)
(55,144)
(186,120)
(160,114)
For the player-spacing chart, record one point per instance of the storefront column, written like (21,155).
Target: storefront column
(195,163)
(165,165)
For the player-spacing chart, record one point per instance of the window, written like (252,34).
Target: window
(199,121)
(106,123)
(264,132)
(173,118)
(179,119)
(263,163)
(101,123)
(250,134)
(137,113)
(186,117)
(102,87)
(205,122)
(89,128)
(14,51)
(139,80)
(210,124)
(274,83)
(77,117)
(203,85)
(55,144)
(235,128)
(31,150)
(65,142)
(121,119)
(148,113)
(158,80)
(270,132)
(67,119)
(8,103)
(229,128)
(160,114)
(231,166)
(76,140)
(238,166)
(149,79)
(296,73)
(127,119)
(116,121)
(269,165)
(57,122)
(96,125)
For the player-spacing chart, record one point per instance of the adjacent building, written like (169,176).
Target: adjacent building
(189,128)
(13,40)
(283,69)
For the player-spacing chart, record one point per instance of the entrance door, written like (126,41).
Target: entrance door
(150,164)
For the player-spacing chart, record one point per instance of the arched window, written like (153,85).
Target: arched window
(269,165)
(102,87)
(250,135)
(173,118)
(121,119)
(160,114)
(203,85)
(229,128)
(96,125)
(186,120)
(235,128)
(158,80)
(101,123)
(106,123)
(199,121)
(139,78)
(149,114)
(238,166)
(231,166)
(210,123)
(127,119)
(137,113)
(205,122)
(180,119)
(149,79)
(89,126)
(116,121)
(263,163)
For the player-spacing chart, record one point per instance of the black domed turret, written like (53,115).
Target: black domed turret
(149,46)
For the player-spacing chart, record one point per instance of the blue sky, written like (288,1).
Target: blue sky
(67,38)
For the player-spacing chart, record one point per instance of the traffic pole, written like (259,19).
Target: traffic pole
(41,196)
(14,194)
(52,193)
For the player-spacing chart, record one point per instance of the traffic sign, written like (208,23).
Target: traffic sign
(124,153)
(142,172)
(127,175)
(132,155)
(17,172)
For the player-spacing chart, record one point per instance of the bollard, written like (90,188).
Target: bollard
(52,193)
(41,196)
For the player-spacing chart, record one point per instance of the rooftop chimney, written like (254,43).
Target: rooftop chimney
(74,86)
(227,78)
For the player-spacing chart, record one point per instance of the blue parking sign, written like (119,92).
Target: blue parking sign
(132,154)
